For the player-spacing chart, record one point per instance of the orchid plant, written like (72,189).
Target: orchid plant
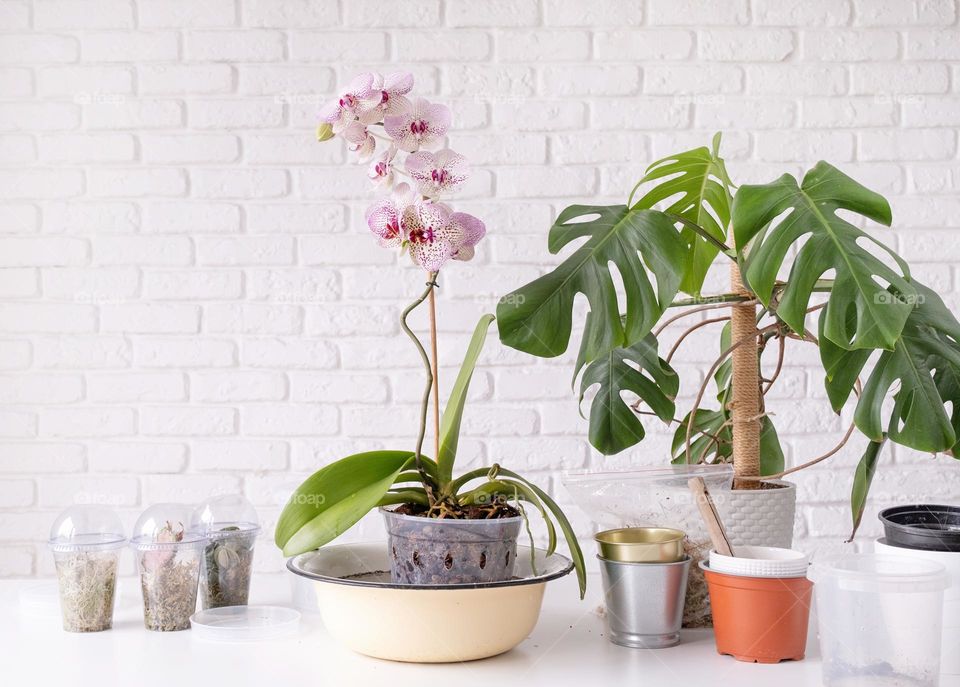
(374,113)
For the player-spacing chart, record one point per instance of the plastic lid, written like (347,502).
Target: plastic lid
(165,526)
(224,515)
(880,573)
(244,623)
(86,528)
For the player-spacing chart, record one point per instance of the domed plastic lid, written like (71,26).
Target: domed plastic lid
(86,528)
(165,526)
(223,515)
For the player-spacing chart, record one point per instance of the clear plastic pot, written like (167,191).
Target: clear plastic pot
(230,526)
(86,541)
(168,559)
(431,551)
(657,497)
(880,619)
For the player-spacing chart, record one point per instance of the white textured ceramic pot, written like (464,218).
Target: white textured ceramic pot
(759,517)
(368,613)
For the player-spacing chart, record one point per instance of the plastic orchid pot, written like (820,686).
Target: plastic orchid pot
(230,526)
(168,559)
(432,551)
(86,541)
(759,619)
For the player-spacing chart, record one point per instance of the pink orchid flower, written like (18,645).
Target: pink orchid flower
(344,110)
(430,236)
(471,230)
(423,124)
(437,173)
(387,97)
(380,170)
(385,216)
(360,141)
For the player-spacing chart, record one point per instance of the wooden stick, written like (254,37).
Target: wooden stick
(436,375)
(708,510)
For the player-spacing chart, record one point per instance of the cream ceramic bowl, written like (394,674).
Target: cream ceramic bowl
(363,610)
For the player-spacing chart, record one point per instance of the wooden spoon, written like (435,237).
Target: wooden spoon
(708,511)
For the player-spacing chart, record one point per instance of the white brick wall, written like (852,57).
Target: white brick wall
(190,299)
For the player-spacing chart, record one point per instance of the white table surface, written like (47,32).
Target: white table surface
(567,647)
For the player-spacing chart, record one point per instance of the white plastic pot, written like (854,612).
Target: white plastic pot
(949,655)
(760,561)
(880,619)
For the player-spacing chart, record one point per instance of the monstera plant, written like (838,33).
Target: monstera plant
(794,248)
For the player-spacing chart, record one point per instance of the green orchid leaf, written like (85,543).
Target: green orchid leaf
(335,497)
(614,426)
(862,479)
(537,318)
(778,216)
(453,412)
(571,538)
(925,361)
(695,184)
(510,489)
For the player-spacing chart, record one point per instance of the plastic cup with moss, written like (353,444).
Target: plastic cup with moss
(168,559)
(86,541)
(230,526)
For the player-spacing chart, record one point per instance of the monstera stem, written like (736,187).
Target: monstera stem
(745,405)
(428,368)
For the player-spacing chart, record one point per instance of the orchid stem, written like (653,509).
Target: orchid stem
(436,370)
(425,403)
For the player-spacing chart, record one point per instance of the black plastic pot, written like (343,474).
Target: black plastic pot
(931,528)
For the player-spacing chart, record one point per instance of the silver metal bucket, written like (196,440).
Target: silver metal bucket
(644,602)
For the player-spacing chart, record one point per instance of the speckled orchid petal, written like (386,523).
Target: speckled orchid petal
(437,173)
(380,170)
(388,97)
(384,217)
(360,141)
(422,125)
(343,110)
(471,230)
(431,239)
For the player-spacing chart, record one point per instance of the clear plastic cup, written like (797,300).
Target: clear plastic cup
(880,620)
(230,526)
(86,541)
(168,559)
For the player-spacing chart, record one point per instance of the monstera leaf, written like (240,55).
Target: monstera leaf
(862,479)
(537,318)
(925,361)
(878,295)
(613,424)
(695,183)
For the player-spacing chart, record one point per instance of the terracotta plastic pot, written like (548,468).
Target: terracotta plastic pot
(759,619)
